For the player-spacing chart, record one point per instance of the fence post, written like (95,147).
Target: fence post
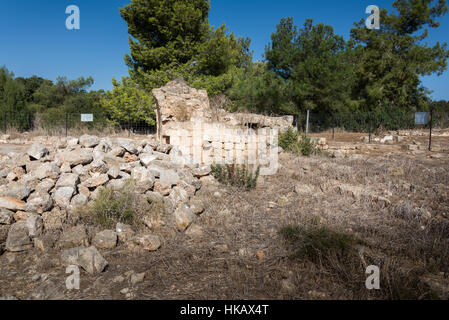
(430,135)
(369,127)
(307,122)
(66,123)
(4,122)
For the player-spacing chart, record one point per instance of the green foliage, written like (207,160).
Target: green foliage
(258,89)
(172,39)
(293,141)
(127,102)
(315,63)
(306,146)
(235,175)
(288,139)
(13,105)
(392,60)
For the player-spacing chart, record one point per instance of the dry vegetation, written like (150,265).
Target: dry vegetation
(308,232)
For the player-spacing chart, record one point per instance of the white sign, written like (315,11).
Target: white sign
(87,117)
(421,118)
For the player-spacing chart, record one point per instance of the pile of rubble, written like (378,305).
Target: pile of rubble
(40,189)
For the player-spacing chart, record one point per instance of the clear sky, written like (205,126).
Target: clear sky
(35,41)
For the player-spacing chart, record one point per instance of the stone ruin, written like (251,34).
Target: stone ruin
(205,135)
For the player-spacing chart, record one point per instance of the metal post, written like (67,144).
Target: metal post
(66,123)
(369,128)
(430,135)
(307,122)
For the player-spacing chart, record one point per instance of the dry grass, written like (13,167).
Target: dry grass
(345,214)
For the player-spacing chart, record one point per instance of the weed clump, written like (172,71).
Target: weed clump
(124,205)
(236,175)
(318,243)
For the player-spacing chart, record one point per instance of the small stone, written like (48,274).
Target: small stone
(54,219)
(114,172)
(65,168)
(201,171)
(260,255)
(161,188)
(91,260)
(118,279)
(124,232)
(147,242)
(184,216)
(197,206)
(137,278)
(35,226)
(194,231)
(106,239)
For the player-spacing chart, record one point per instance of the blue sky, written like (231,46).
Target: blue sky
(35,41)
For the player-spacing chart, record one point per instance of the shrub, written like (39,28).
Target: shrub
(123,205)
(307,146)
(235,175)
(289,141)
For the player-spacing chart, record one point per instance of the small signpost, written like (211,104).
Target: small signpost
(87,117)
(422,118)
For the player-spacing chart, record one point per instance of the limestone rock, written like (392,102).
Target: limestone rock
(146,159)
(63,195)
(54,219)
(6,216)
(77,156)
(74,237)
(18,237)
(106,239)
(169,177)
(147,242)
(37,151)
(67,180)
(35,226)
(18,192)
(11,203)
(91,260)
(89,141)
(184,216)
(124,232)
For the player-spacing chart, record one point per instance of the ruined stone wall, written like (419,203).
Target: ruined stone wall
(205,143)
(205,136)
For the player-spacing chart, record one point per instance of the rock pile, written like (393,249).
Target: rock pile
(41,188)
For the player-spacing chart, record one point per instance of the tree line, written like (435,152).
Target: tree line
(306,67)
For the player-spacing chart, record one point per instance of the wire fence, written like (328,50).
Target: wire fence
(68,123)
(370,122)
(72,123)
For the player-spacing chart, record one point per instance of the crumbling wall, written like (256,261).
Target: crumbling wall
(206,136)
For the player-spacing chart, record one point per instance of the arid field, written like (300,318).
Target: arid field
(308,232)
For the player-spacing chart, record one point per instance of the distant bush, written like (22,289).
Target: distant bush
(290,141)
(235,175)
